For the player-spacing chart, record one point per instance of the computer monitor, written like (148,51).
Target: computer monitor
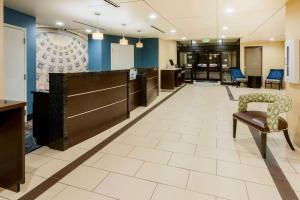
(171,62)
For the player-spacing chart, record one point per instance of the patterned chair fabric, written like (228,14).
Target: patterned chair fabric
(278,104)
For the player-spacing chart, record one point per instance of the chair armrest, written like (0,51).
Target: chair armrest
(283,104)
(244,100)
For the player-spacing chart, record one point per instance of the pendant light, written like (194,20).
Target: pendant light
(123,41)
(139,44)
(98,35)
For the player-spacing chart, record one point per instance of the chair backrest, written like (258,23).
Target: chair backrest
(236,73)
(277,104)
(276,74)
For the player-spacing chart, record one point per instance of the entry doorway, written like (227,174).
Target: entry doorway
(209,65)
(15,86)
(253,64)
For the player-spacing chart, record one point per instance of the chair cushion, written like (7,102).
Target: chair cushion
(272,81)
(258,120)
(242,80)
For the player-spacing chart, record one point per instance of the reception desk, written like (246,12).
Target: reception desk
(12,147)
(81,105)
(171,78)
(136,92)
(150,84)
(144,89)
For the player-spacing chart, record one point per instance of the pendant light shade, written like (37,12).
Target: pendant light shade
(123,41)
(98,35)
(139,44)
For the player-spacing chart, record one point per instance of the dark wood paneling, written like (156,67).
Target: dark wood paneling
(86,82)
(95,122)
(77,105)
(167,79)
(136,93)
(12,147)
(84,104)
(41,117)
(149,84)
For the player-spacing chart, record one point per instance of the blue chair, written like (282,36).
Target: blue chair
(275,77)
(237,76)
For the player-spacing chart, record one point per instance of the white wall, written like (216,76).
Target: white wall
(273,56)
(1,50)
(167,50)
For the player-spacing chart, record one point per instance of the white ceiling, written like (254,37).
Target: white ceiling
(252,20)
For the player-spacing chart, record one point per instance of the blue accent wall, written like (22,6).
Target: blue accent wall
(100,53)
(25,21)
(150,53)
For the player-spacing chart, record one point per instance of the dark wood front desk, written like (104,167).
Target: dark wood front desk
(12,145)
(81,105)
(171,78)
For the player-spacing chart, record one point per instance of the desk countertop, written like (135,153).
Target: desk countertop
(9,105)
(171,69)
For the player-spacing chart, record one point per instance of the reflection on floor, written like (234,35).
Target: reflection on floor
(182,150)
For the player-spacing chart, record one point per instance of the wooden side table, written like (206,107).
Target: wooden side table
(12,145)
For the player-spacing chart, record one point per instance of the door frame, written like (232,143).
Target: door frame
(25,57)
(261,57)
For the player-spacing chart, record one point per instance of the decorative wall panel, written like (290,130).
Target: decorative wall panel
(59,52)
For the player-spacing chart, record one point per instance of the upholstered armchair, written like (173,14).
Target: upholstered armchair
(264,122)
(275,77)
(237,76)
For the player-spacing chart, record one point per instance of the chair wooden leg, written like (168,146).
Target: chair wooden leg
(263,144)
(287,137)
(234,127)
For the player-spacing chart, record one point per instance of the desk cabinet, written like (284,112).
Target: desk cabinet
(170,78)
(12,147)
(254,81)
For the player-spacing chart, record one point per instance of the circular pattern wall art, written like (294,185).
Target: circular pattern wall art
(59,52)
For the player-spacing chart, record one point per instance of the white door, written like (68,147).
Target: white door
(15,63)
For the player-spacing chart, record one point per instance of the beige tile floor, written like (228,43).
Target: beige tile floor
(182,150)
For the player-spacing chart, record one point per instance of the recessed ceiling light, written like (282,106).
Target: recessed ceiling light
(229,10)
(152,16)
(272,39)
(225,28)
(173,31)
(59,23)
(223,36)
(88,30)
(183,38)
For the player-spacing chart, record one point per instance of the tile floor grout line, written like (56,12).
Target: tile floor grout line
(248,195)
(45,185)
(153,192)
(281,182)
(101,181)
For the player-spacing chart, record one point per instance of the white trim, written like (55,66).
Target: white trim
(25,61)
(95,91)
(99,108)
